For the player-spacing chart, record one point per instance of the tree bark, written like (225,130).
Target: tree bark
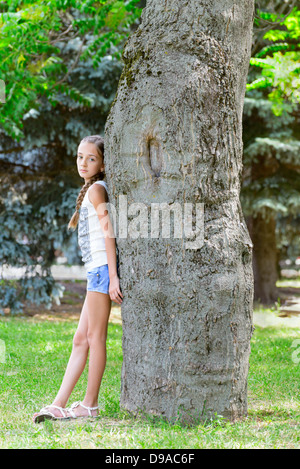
(174,135)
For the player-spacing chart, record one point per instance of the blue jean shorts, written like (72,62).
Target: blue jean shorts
(98,279)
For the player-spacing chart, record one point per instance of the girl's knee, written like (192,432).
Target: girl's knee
(80,339)
(96,337)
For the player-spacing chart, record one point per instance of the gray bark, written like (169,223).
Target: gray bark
(174,135)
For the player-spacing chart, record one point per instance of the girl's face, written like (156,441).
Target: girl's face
(89,162)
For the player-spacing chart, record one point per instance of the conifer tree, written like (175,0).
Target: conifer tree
(271,175)
(60,63)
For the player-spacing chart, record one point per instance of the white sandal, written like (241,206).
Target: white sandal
(45,414)
(89,409)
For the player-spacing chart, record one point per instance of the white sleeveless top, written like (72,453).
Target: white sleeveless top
(90,234)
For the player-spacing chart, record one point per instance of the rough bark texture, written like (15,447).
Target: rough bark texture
(174,134)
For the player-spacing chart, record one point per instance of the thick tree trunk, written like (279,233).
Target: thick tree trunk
(174,135)
(263,234)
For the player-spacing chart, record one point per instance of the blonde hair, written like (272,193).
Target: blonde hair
(98,141)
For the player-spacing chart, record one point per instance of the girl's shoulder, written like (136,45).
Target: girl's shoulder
(92,191)
(103,183)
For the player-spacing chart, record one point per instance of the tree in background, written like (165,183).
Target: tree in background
(271,178)
(60,64)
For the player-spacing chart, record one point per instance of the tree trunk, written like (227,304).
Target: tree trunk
(263,234)
(174,135)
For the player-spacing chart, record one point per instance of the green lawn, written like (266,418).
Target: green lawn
(36,355)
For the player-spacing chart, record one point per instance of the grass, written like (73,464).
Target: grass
(36,355)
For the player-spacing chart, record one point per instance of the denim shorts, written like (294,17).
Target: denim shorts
(98,279)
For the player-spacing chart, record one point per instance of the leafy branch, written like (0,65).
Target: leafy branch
(34,54)
(280,62)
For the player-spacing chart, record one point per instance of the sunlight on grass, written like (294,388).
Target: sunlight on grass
(36,355)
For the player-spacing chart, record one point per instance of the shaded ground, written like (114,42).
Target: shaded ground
(290,301)
(70,304)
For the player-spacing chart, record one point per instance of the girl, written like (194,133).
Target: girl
(98,248)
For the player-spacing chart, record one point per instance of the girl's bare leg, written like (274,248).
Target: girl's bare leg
(98,307)
(77,360)
(90,335)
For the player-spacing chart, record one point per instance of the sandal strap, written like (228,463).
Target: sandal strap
(78,403)
(62,411)
(89,408)
(45,410)
(70,409)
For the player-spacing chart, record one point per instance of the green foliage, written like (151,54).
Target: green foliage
(60,64)
(28,231)
(280,63)
(285,152)
(271,164)
(32,35)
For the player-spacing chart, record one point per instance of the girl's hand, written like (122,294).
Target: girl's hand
(114,290)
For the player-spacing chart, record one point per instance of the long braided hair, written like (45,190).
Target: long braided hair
(98,141)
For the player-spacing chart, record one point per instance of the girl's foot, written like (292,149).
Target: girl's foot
(79,410)
(50,412)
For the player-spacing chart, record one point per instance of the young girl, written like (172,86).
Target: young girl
(98,248)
